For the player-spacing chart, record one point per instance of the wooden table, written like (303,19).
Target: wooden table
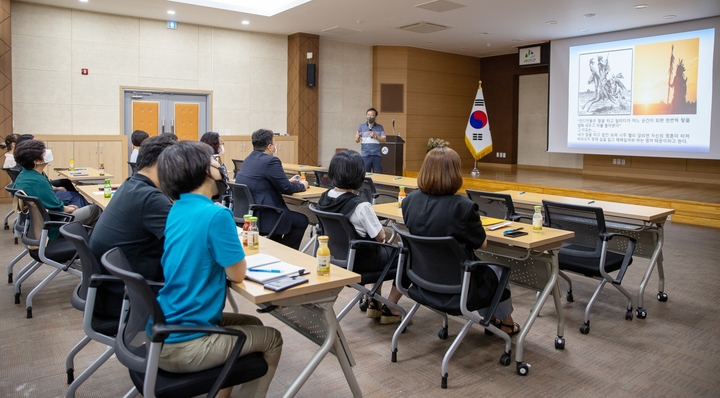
(311,192)
(644,223)
(308,309)
(297,168)
(394,181)
(95,194)
(83,174)
(534,262)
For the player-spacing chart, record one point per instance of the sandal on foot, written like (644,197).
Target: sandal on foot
(388,318)
(373,310)
(515,328)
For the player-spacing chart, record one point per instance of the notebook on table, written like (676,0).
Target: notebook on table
(262,268)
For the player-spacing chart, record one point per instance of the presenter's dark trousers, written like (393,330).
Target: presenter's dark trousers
(373,163)
(294,237)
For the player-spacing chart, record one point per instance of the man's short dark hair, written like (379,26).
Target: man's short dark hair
(171,135)
(24,137)
(151,149)
(347,170)
(213,139)
(27,152)
(183,167)
(261,139)
(374,110)
(138,136)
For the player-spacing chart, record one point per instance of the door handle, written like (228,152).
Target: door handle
(101,149)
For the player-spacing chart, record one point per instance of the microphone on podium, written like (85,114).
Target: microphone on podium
(393,126)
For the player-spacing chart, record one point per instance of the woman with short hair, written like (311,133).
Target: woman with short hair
(435,210)
(202,249)
(213,139)
(10,142)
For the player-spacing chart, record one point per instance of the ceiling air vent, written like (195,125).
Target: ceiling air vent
(340,31)
(423,27)
(440,5)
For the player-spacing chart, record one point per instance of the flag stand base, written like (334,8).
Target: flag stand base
(475,173)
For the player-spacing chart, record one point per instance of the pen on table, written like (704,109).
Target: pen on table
(397,178)
(520,193)
(591,202)
(274,271)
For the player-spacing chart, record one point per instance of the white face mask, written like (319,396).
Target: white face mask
(48,156)
(222,150)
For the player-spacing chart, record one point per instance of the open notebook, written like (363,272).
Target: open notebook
(262,268)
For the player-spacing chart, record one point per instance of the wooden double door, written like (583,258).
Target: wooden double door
(185,115)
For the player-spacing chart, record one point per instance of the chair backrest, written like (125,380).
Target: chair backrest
(12,172)
(132,341)
(491,204)
(36,216)
(133,167)
(367,190)
(242,200)
(338,228)
(237,164)
(434,263)
(322,179)
(587,222)
(77,234)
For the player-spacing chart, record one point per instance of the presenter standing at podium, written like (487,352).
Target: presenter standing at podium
(370,135)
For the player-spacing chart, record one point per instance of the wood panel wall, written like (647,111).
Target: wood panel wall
(5,85)
(439,93)
(302,101)
(665,169)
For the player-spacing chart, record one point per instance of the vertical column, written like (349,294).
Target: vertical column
(302,105)
(5,70)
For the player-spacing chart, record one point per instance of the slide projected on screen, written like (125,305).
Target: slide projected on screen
(649,94)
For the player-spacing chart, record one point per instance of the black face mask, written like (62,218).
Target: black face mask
(371,120)
(222,187)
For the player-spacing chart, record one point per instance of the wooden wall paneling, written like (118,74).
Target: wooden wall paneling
(303,100)
(420,59)
(6,108)
(704,166)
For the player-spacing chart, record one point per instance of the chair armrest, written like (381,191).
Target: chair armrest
(606,236)
(470,267)
(97,280)
(357,243)
(266,207)
(60,216)
(632,242)
(48,224)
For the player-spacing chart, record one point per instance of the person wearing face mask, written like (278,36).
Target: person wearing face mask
(202,250)
(31,155)
(264,176)
(213,139)
(370,135)
(134,221)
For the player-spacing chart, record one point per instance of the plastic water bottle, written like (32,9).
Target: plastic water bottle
(537,220)
(107,189)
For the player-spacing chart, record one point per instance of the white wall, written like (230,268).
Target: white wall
(532,126)
(345,84)
(246,71)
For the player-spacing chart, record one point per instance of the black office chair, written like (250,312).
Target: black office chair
(587,253)
(322,179)
(57,253)
(369,192)
(133,167)
(492,204)
(96,327)
(13,173)
(439,275)
(140,352)
(237,164)
(344,242)
(244,204)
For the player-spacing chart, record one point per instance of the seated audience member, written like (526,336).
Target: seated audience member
(347,173)
(263,174)
(31,156)
(202,249)
(213,139)
(10,142)
(62,184)
(134,221)
(435,210)
(137,137)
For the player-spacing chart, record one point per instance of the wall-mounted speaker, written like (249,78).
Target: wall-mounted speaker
(311,75)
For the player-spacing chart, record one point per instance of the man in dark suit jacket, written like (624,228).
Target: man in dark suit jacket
(264,176)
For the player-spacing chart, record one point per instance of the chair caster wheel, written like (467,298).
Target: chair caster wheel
(629,315)
(641,313)
(443,333)
(70,376)
(443,383)
(569,297)
(505,359)
(584,328)
(363,304)
(16,241)
(662,297)
(488,332)
(6,227)
(394,356)
(559,343)
(10,278)
(17,298)
(29,312)
(523,368)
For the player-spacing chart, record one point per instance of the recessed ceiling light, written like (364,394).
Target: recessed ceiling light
(245,22)
(83,1)
(171,12)
(359,21)
(640,6)
(265,8)
(591,15)
(551,22)
(488,44)
(584,30)
(669,16)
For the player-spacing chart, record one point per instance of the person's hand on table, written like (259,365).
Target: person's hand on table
(295,178)
(70,209)
(60,189)
(305,184)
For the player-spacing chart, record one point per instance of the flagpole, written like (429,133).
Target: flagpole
(475,173)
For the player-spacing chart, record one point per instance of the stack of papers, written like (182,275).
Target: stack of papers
(262,268)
